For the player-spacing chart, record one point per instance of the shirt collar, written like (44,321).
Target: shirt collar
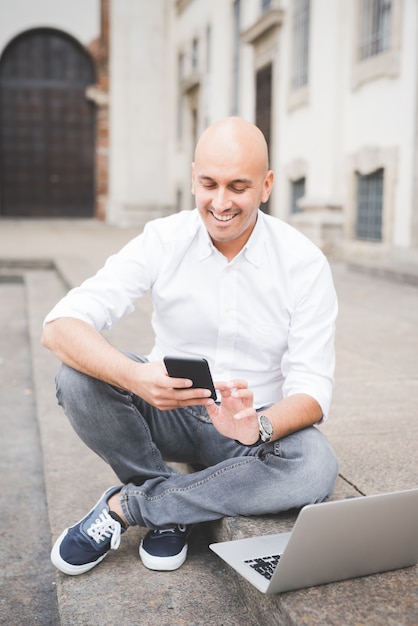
(252,249)
(206,247)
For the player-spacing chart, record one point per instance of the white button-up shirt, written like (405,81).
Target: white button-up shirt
(267,316)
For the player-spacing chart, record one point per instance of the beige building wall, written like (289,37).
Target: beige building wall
(176,66)
(352,117)
(379,130)
(79,18)
(140,105)
(201,81)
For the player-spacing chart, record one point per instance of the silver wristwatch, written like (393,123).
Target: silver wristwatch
(265,428)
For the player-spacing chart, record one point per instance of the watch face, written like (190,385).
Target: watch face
(266,428)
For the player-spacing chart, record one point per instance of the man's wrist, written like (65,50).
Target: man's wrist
(265,431)
(265,428)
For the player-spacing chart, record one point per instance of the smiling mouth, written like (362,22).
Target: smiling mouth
(224,218)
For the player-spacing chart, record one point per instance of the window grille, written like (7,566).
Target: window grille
(375,26)
(369,206)
(297,192)
(301,19)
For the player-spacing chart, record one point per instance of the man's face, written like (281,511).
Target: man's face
(228,192)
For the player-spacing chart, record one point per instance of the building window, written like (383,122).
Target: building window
(180,65)
(301,18)
(195,54)
(375,27)
(207,91)
(236,56)
(179,200)
(208,49)
(369,206)
(180,103)
(265,5)
(297,192)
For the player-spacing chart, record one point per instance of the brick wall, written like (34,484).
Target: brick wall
(99,94)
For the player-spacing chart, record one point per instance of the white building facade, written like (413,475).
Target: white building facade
(333,84)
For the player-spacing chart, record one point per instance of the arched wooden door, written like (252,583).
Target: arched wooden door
(47,127)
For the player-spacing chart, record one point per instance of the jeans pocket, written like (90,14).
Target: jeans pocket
(266,450)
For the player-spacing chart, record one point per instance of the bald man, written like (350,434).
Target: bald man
(252,296)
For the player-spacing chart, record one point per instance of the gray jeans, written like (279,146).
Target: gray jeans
(137,440)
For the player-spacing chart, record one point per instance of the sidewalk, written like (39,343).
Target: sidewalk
(373,427)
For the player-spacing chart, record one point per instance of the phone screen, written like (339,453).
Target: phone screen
(194,368)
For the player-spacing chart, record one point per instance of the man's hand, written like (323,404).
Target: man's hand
(235,417)
(80,346)
(164,392)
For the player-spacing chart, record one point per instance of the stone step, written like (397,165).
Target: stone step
(120,590)
(69,478)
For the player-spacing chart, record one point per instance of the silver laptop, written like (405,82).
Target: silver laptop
(331,541)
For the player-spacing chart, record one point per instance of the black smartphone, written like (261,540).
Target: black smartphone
(194,368)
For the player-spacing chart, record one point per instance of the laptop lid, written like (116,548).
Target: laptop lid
(334,541)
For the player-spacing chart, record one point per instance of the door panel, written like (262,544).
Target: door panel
(47,128)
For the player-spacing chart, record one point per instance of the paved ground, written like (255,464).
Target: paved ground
(49,479)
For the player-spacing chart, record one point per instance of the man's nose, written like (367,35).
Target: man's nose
(221,200)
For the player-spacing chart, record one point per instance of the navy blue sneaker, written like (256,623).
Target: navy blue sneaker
(165,549)
(84,545)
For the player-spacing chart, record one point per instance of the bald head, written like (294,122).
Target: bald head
(230,179)
(230,139)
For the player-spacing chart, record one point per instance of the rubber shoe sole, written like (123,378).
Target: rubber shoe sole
(82,546)
(163,563)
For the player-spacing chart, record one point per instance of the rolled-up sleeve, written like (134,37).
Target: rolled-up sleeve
(309,362)
(111,294)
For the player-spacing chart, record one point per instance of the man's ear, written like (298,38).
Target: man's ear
(193,175)
(267,186)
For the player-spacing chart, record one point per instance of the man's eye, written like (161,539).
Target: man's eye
(238,189)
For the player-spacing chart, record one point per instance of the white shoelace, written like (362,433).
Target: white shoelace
(103,528)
